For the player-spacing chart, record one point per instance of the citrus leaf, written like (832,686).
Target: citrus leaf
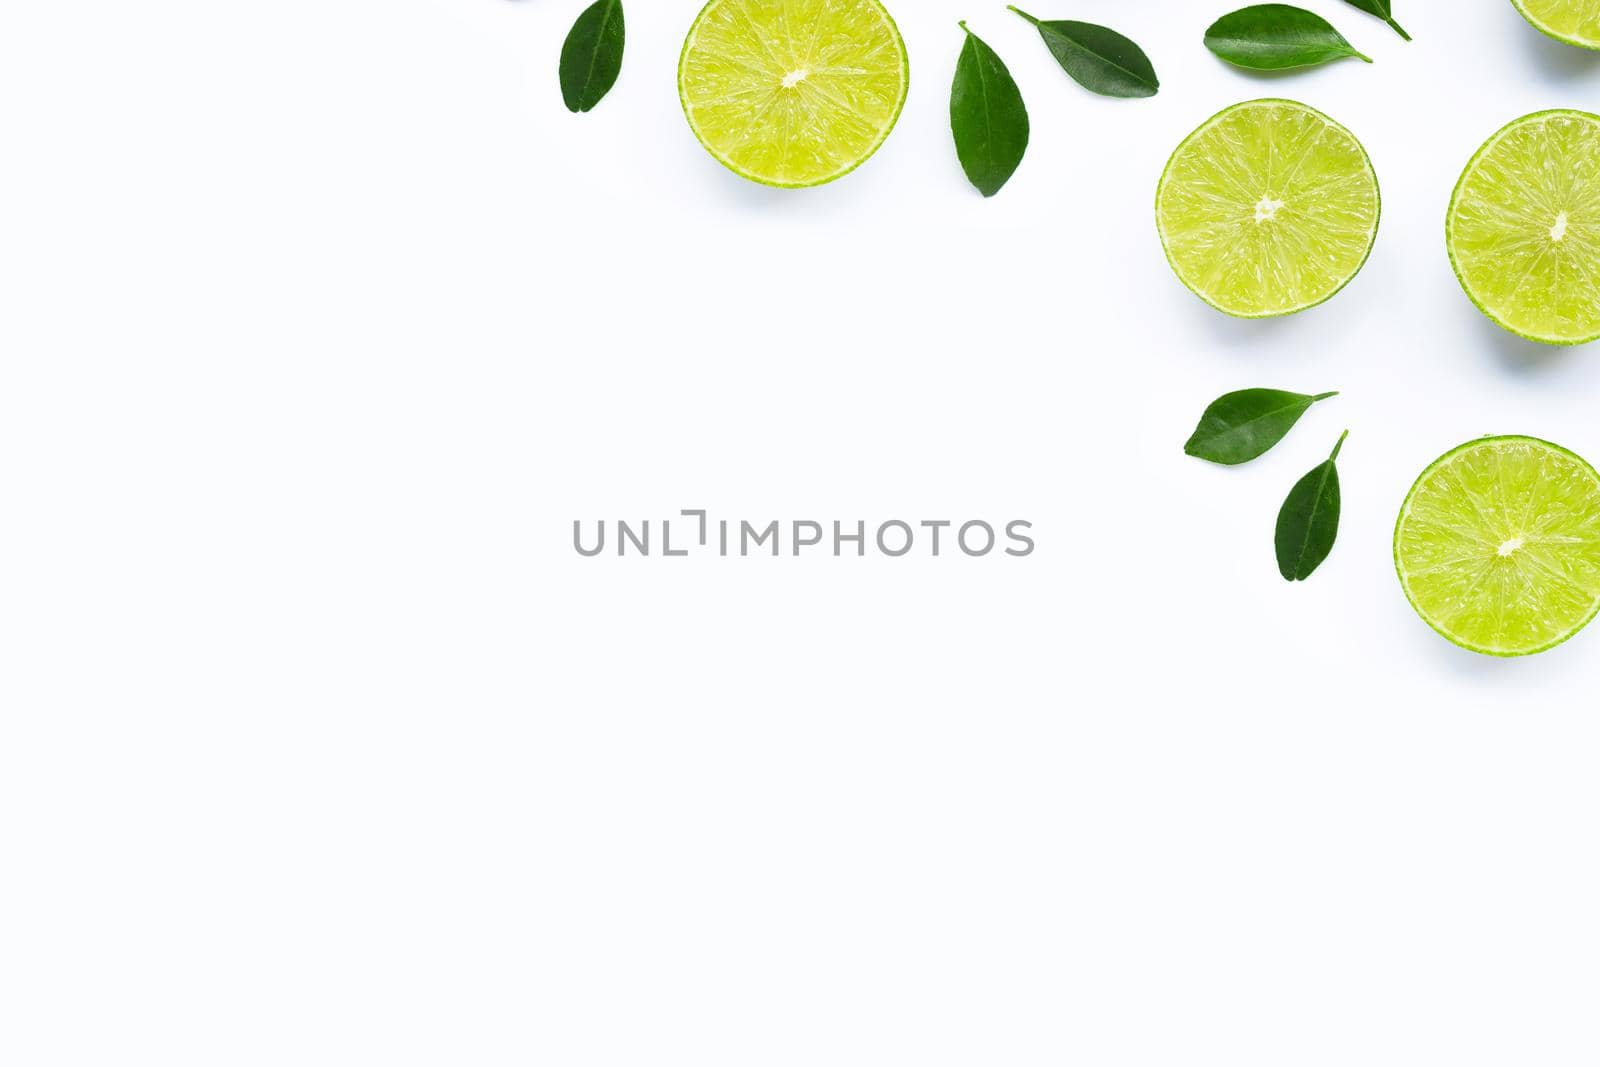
(1309,521)
(1238,427)
(1381,9)
(1101,60)
(1277,37)
(591,58)
(987,117)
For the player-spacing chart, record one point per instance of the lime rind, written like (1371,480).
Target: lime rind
(1538,23)
(1406,511)
(1336,289)
(1450,225)
(761,179)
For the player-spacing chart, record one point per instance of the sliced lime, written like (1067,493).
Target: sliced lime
(1571,21)
(793,92)
(1498,545)
(1524,227)
(1269,208)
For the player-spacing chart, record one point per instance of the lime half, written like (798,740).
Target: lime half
(1269,208)
(1571,21)
(793,92)
(1498,545)
(1524,227)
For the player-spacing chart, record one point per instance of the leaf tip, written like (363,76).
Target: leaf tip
(1339,446)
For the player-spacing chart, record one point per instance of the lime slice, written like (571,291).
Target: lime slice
(1572,21)
(1269,208)
(793,92)
(1498,545)
(1524,228)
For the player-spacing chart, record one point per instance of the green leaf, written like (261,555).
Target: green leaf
(1309,521)
(1101,60)
(592,57)
(1238,427)
(987,117)
(1277,37)
(1381,9)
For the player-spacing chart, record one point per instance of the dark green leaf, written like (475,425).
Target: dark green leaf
(592,57)
(1309,521)
(1240,426)
(1381,9)
(1101,60)
(987,117)
(1277,37)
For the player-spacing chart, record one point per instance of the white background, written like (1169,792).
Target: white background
(321,322)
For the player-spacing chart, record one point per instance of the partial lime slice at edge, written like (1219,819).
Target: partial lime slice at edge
(1550,16)
(1495,234)
(799,99)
